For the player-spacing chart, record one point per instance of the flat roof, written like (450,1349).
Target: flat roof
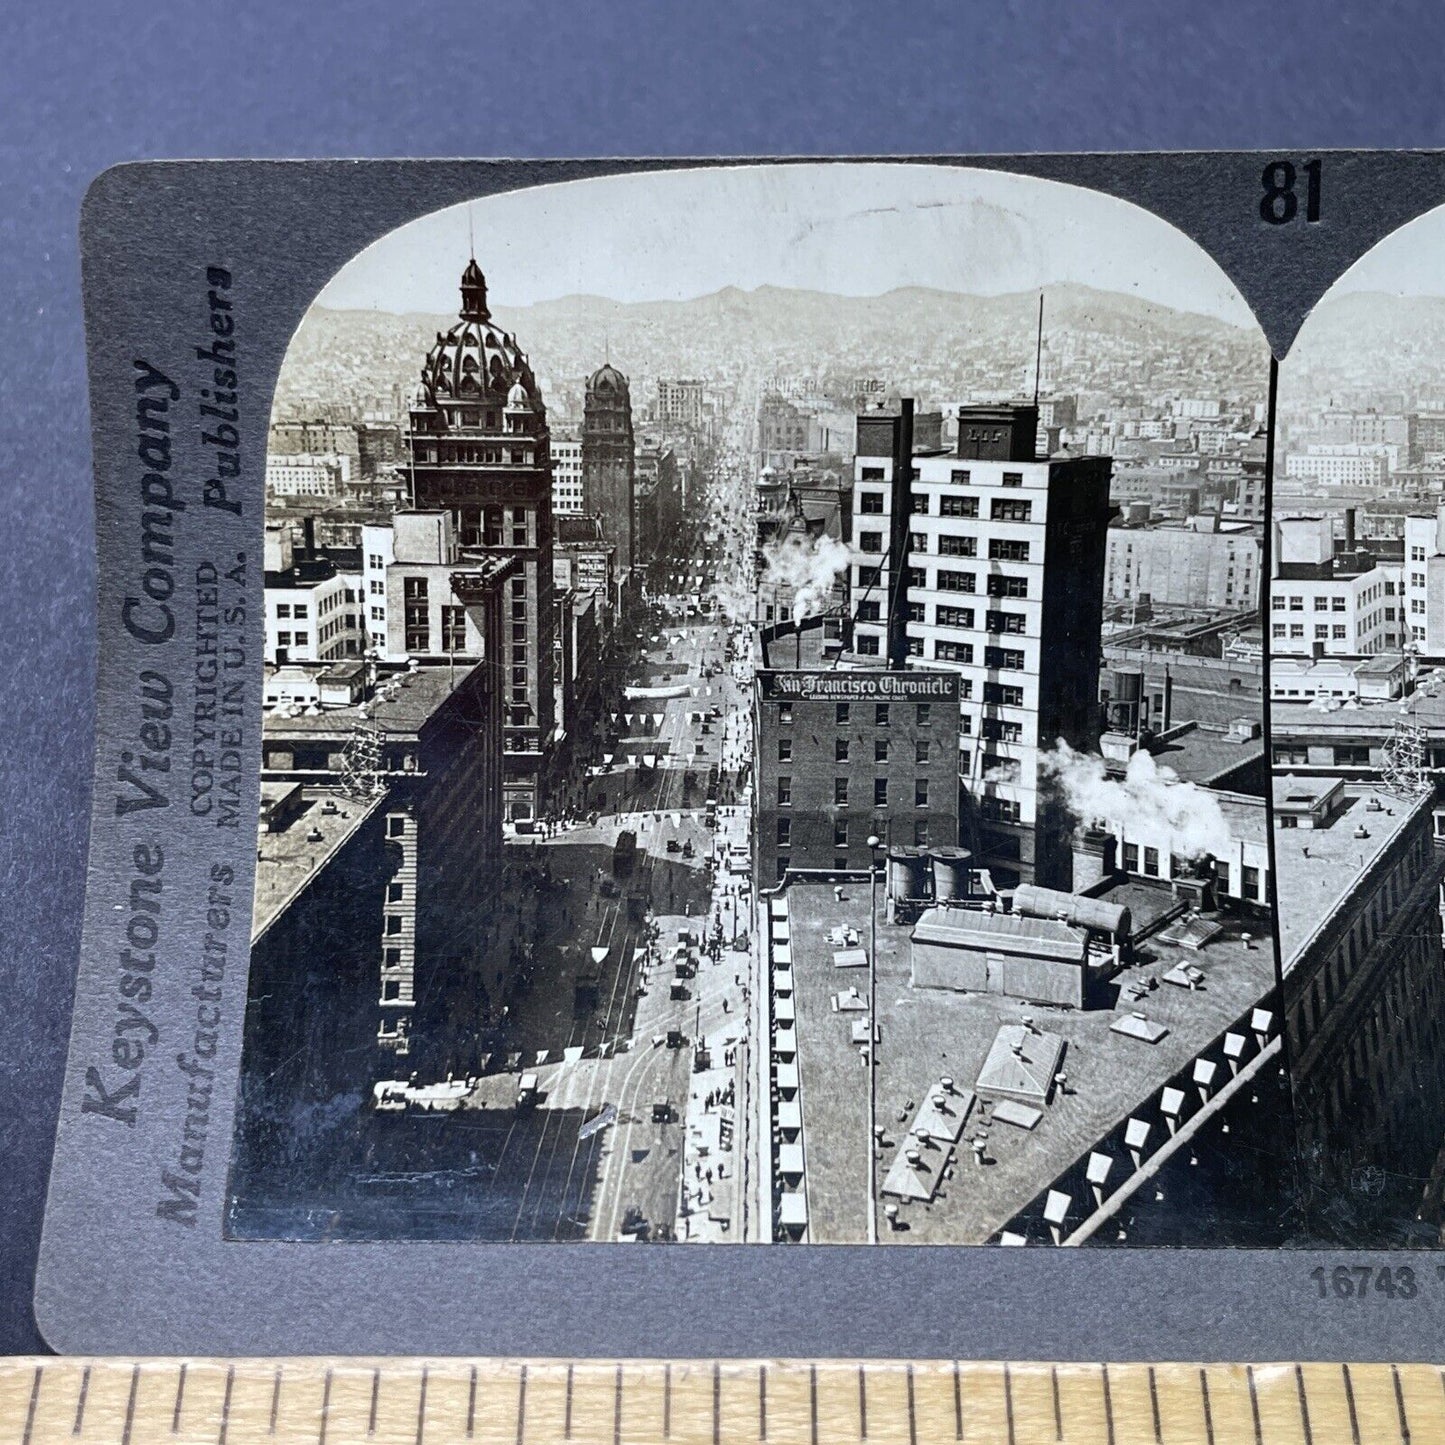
(288,861)
(933,1033)
(402,703)
(1206,752)
(1316,869)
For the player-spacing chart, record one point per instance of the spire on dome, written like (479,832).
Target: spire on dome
(474,293)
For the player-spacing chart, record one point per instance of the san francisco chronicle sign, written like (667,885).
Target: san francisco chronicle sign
(839,686)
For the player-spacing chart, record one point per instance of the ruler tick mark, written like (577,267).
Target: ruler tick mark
(275,1400)
(421,1405)
(375,1392)
(80,1403)
(226,1405)
(1254,1405)
(1400,1405)
(957,1401)
(813,1403)
(522,1405)
(472,1403)
(130,1405)
(667,1402)
(862,1405)
(33,1406)
(1153,1406)
(912,1411)
(567,1414)
(1350,1400)
(325,1409)
(180,1396)
(1108,1404)
(1304,1409)
(617,1408)
(716,1404)
(762,1402)
(1058,1404)
(1008,1402)
(1208,1413)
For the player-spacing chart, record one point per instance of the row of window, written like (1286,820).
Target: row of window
(1294,603)
(841,791)
(999,659)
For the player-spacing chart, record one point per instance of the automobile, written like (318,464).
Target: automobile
(528,1092)
(661,1111)
(673,846)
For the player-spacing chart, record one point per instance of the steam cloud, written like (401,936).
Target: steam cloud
(809,565)
(1148,800)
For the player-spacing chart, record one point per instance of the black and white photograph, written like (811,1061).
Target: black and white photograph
(1357,712)
(763,728)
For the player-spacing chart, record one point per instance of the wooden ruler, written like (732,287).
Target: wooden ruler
(643,1402)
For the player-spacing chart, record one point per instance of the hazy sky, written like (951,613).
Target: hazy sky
(848,229)
(1408,262)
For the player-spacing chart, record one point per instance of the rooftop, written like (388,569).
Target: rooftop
(1202,753)
(927,1034)
(401,704)
(1316,869)
(287,861)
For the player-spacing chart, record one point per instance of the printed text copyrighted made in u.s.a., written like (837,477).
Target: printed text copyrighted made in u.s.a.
(190,622)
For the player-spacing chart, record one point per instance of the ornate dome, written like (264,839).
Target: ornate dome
(607,378)
(517,398)
(476,360)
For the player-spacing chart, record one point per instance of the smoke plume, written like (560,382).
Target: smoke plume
(810,566)
(1148,802)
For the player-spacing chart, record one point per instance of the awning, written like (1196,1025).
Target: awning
(783,1010)
(785,1044)
(787,1077)
(790,1116)
(793,1211)
(790,1159)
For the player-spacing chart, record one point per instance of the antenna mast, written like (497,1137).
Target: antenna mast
(1039,349)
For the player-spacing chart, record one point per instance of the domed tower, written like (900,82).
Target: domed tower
(480,449)
(609,461)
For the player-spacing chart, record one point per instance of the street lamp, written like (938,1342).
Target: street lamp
(873,844)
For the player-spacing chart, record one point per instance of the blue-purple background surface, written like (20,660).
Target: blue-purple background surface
(87,85)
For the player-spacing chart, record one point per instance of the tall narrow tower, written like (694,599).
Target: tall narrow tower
(479,447)
(609,461)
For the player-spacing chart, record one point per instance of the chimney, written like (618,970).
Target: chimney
(1349,529)
(1093,858)
(308,530)
(901,504)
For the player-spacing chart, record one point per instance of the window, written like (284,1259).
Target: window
(840,714)
(956,581)
(917,577)
(377,587)
(1001,730)
(953,651)
(880,714)
(924,714)
(418,619)
(920,504)
(1352,757)
(840,792)
(920,833)
(394,892)
(1007,509)
(1000,585)
(920,792)
(871,474)
(1005,622)
(1151,862)
(880,750)
(871,504)
(921,751)
(303,639)
(454,629)
(302,610)
(785,791)
(1131,857)
(959,476)
(1013,479)
(958,507)
(1003,694)
(867,645)
(785,750)
(283,609)
(917,612)
(1322,604)
(949,546)
(283,639)
(1005,658)
(870,541)
(1004,549)
(785,832)
(870,610)
(393,923)
(396,826)
(915,646)
(869,576)
(880,792)
(785,712)
(840,833)
(1250,885)
(918,541)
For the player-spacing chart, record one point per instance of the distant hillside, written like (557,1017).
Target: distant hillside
(732,332)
